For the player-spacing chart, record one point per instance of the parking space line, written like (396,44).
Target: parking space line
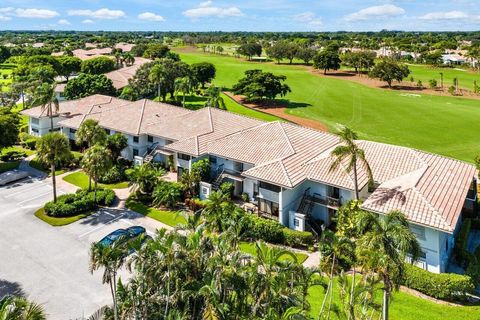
(100,227)
(24,190)
(39,196)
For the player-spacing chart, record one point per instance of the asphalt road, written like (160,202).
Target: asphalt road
(49,265)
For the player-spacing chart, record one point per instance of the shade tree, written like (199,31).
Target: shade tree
(389,71)
(258,85)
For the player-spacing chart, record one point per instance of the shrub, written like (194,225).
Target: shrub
(194,204)
(75,203)
(227,189)
(452,90)
(13,155)
(460,250)
(167,194)
(432,83)
(445,286)
(294,238)
(28,141)
(245,197)
(263,229)
(114,175)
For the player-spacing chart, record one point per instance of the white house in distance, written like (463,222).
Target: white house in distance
(285,168)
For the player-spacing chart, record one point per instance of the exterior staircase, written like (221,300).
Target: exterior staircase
(306,208)
(151,153)
(218,177)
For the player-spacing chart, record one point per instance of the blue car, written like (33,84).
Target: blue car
(124,234)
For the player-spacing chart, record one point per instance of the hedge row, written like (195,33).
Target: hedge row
(258,228)
(445,286)
(75,203)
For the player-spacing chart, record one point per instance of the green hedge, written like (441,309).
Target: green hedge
(461,253)
(258,228)
(445,286)
(75,203)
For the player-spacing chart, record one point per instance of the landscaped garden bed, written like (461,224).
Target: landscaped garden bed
(74,206)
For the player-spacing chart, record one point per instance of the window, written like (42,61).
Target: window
(34,120)
(183,156)
(418,231)
(54,130)
(135,152)
(296,222)
(135,139)
(35,130)
(107,131)
(149,138)
(268,207)
(255,190)
(269,186)
(72,130)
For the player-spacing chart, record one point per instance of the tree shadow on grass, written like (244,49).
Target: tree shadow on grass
(10,288)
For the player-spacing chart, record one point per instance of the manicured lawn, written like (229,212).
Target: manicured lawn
(6,70)
(80,179)
(425,73)
(57,222)
(171,218)
(19,149)
(6,166)
(34,163)
(249,247)
(404,306)
(444,125)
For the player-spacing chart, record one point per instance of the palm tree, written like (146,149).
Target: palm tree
(53,148)
(185,86)
(214,99)
(90,133)
(157,76)
(146,177)
(350,152)
(383,248)
(46,98)
(111,258)
(129,59)
(18,308)
(96,161)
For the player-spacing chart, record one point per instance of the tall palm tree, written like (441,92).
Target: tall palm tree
(157,76)
(383,248)
(18,308)
(53,148)
(96,161)
(349,151)
(111,258)
(129,59)
(90,133)
(185,86)
(46,98)
(214,99)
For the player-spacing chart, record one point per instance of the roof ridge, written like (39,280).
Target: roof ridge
(141,116)
(435,210)
(287,138)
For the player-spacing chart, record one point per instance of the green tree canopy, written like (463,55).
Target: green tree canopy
(8,128)
(116,143)
(98,65)
(203,72)
(88,84)
(69,65)
(258,85)
(388,71)
(250,49)
(327,60)
(156,51)
(90,133)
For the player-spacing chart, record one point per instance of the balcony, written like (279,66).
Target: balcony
(328,201)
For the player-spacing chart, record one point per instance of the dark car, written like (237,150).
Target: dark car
(123,234)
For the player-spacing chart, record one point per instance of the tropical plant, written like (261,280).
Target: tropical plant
(90,133)
(349,154)
(111,259)
(167,194)
(146,177)
(184,85)
(157,76)
(46,98)
(116,143)
(18,308)
(96,161)
(53,148)
(383,247)
(214,98)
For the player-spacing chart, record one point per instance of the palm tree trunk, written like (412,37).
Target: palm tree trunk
(385,305)
(89,183)
(114,296)
(54,183)
(355,180)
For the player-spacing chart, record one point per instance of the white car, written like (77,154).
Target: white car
(11,176)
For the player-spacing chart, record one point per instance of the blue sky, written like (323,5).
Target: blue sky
(240,15)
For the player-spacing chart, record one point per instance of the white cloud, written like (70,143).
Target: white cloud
(450,15)
(36,13)
(64,22)
(87,21)
(6,10)
(310,18)
(103,13)
(206,9)
(384,11)
(4,18)
(149,16)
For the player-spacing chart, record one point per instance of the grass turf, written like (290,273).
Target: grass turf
(426,73)
(249,247)
(403,306)
(62,221)
(81,180)
(443,125)
(171,218)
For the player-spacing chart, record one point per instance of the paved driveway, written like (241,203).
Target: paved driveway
(50,264)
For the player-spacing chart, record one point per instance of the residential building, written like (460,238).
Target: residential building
(285,169)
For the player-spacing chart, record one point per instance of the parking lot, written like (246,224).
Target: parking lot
(50,264)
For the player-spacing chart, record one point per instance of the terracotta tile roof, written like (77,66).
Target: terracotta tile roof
(121,76)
